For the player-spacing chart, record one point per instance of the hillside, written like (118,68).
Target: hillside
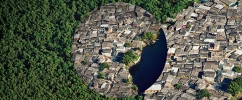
(36,37)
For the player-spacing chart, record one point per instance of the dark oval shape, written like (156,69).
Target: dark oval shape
(152,63)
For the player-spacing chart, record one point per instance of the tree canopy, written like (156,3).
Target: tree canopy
(149,36)
(237,69)
(129,57)
(104,65)
(177,86)
(101,75)
(235,86)
(203,93)
(36,37)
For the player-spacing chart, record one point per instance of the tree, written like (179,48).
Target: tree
(127,80)
(129,57)
(149,36)
(237,69)
(127,44)
(235,86)
(101,75)
(84,62)
(103,65)
(177,86)
(203,93)
(134,87)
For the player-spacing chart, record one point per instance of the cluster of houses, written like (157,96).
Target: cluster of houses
(101,38)
(204,45)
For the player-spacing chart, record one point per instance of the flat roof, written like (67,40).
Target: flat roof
(209,40)
(172,50)
(155,87)
(238,52)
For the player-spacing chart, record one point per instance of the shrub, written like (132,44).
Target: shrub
(177,86)
(101,75)
(127,44)
(84,62)
(134,87)
(203,93)
(103,65)
(237,69)
(149,36)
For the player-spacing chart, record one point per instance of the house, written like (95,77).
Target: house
(191,91)
(136,43)
(179,25)
(153,89)
(171,51)
(229,2)
(209,76)
(228,66)
(204,7)
(104,88)
(200,84)
(210,66)
(231,21)
(107,45)
(187,96)
(107,52)
(228,73)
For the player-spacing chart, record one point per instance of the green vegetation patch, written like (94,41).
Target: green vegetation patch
(203,93)
(177,86)
(127,44)
(149,36)
(101,75)
(129,57)
(104,65)
(237,69)
(235,86)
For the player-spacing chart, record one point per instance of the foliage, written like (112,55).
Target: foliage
(35,41)
(232,98)
(104,65)
(127,44)
(139,48)
(84,62)
(101,75)
(127,80)
(149,36)
(129,57)
(235,86)
(140,97)
(203,93)
(134,87)
(237,69)
(177,86)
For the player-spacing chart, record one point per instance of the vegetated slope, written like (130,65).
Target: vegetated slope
(35,41)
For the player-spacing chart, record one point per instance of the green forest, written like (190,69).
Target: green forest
(35,41)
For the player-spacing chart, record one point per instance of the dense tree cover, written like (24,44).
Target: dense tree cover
(35,41)
(129,57)
(235,86)
(203,93)
(237,69)
(104,65)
